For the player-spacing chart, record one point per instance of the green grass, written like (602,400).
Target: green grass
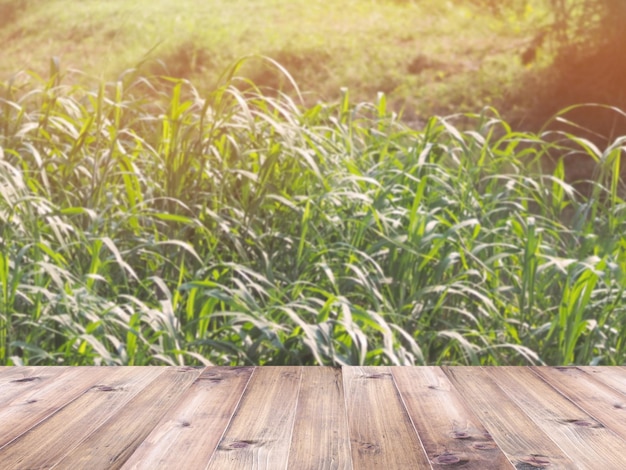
(234,227)
(427,56)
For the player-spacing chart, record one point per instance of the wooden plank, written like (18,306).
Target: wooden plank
(113,442)
(614,377)
(18,381)
(64,430)
(46,397)
(188,435)
(514,432)
(8,373)
(602,402)
(381,432)
(260,432)
(320,436)
(450,433)
(585,440)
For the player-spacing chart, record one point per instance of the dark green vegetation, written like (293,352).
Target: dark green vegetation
(236,228)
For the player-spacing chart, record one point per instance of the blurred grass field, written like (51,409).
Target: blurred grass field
(429,57)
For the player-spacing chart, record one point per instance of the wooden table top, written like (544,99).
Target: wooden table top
(313,417)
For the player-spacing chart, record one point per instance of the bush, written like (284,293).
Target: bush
(237,228)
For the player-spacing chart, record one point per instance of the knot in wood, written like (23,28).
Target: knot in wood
(25,379)
(369,448)
(447,458)
(240,444)
(484,445)
(537,461)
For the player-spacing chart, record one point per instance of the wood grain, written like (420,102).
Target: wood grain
(585,440)
(313,418)
(614,377)
(450,432)
(511,428)
(111,444)
(187,436)
(46,443)
(381,432)
(260,433)
(320,436)
(43,397)
(18,381)
(602,402)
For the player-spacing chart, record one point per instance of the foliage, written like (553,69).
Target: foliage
(574,24)
(144,227)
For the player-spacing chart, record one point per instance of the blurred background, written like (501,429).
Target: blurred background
(527,58)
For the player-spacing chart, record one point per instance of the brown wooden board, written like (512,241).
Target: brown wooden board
(614,377)
(188,434)
(313,418)
(450,432)
(44,397)
(515,433)
(17,382)
(259,434)
(111,444)
(320,436)
(10,373)
(381,433)
(602,402)
(585,440)
(45,444)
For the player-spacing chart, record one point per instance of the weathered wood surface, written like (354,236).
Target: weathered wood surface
(381,432)
(313,417)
